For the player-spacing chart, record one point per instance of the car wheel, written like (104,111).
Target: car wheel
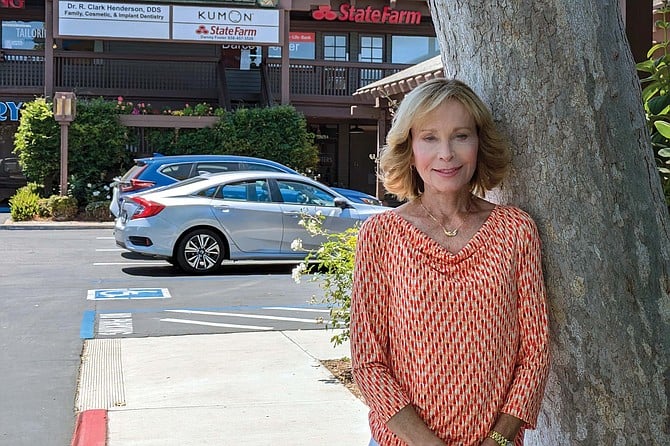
(200,251)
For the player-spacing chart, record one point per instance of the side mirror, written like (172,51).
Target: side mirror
(342,203)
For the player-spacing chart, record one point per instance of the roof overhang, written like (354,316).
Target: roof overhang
(402,82)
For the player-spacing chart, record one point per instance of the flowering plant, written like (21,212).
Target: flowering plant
(332,265)
(128,108)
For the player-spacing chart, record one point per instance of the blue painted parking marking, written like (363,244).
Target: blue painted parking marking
(87,325)
(128,293)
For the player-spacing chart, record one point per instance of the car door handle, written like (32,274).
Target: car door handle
(294,214)
(222,208)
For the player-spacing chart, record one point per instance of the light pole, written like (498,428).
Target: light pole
(65,110)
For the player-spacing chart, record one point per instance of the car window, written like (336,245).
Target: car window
(259,167)
(209,192)
(133,171)
(297,192)
(179,172)
(215,167)
(252,190)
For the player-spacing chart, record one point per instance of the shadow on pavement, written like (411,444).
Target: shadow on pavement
(227,270)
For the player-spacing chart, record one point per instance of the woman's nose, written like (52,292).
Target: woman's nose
(445,151)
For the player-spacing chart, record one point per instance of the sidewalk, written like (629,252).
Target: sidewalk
(6,222)
(248,389)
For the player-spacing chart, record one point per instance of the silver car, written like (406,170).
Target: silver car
(200,222)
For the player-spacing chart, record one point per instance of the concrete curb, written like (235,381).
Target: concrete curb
(90,428)
(9,224)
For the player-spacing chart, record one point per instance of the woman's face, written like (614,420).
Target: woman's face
(444,148)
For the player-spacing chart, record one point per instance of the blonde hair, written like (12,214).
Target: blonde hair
(395,164)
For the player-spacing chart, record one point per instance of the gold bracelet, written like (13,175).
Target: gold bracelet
(499,438)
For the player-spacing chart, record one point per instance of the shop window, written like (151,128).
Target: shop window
(371,51)
(413,49)
(335,47)
(301,45)
(19,35)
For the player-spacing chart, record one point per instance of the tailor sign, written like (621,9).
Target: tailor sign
(368,14)
(9,111)
(249,26)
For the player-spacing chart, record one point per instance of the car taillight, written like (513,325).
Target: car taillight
(146,208)
(135,185)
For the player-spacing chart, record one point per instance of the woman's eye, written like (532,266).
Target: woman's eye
(462,136)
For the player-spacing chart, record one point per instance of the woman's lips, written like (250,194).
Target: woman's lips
(448,172)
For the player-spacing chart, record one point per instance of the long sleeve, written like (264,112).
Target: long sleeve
(532,365)
(369,326)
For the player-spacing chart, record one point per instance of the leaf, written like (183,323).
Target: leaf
(658,103)
(653,49)
(650,90)
(663,128)
(665,153)
(646,66)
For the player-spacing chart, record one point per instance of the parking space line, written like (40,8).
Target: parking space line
(311,310)
(249,316)
(142,263)
(215,324)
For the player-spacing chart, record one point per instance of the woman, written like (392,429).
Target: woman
(449,331)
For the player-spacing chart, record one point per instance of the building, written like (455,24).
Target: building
(311,54)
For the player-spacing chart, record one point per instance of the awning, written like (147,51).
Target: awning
(404,81)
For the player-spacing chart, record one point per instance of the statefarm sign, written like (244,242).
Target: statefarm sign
(19,4)
(349,13)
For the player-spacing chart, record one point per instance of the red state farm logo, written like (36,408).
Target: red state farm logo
(202,29)
(324,13)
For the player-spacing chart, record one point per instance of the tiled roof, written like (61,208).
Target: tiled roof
(403,81)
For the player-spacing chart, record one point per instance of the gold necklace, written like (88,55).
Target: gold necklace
(447,232)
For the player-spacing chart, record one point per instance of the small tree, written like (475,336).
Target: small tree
(332,265)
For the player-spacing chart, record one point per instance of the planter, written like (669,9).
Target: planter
(168,121)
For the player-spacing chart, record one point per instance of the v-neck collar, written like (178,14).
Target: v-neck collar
(431,247)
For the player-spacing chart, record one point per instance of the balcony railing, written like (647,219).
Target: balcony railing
(177,77)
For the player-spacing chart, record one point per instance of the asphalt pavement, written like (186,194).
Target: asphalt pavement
(252,389)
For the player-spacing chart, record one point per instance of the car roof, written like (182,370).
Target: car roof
(165,159)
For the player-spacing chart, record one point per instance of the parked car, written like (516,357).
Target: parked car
(162,170)
(11,177)
(199,222)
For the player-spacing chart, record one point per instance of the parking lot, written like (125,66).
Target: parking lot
(60,287)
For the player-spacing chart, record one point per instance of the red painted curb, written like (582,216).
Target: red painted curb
(90,428)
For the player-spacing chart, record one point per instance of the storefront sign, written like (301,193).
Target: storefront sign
(20,4)
(167,22)
(225,24)
(91,19)
(10,111)
(19,35)
(368,14)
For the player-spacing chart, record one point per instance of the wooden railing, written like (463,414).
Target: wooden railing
(328,78)
(22,71)
(180,77)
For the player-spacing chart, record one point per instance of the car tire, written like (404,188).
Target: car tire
(200,251)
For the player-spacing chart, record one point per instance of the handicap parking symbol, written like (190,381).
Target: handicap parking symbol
(128,293)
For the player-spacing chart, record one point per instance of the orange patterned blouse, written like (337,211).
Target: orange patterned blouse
(462,337)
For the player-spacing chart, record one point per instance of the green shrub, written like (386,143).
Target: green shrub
(96,144)
(332,265)
(62,208)
(98,211)
(24,205)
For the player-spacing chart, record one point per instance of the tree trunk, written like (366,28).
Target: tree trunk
(561,82)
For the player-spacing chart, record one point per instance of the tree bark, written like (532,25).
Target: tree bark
(560,80)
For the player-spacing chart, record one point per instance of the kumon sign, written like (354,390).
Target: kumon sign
(368,14)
